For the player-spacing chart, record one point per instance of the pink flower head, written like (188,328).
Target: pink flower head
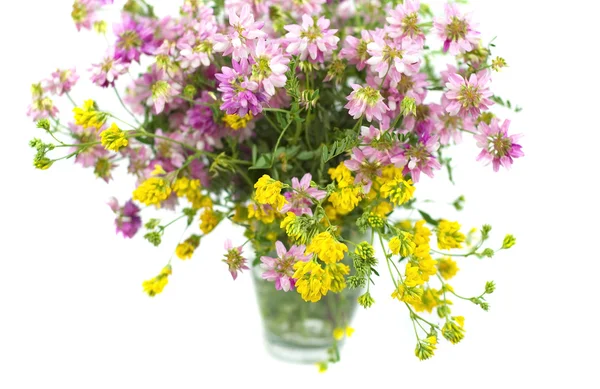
(164,92)
(365,101)
(469,97)
(269,66)
(128,221)
(281,268)
(105,73)
(312,38)
(309,7)
(404,22)
(244,30)
(196,45)
(234,259)
(420,157)
(88,156)
(393,58)
(366,168)
(499,148)
(42,108)
(300,200)
(456,30)
(84,12)
(380,145)
(448,127)
(61,82)
(240,95)
(355,50)
(133,39)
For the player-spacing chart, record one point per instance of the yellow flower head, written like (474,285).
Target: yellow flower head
(410,295)
(156,285)
(327,248)
(237,122)
(339,332)
(402,244)
(209,220)
(452,331)
(346,198)
(399,191)
(186,249)
(113,138)
(427,268)
(313,282)
(429,300)
(152,191)
(337,271)
(426,347)
(413,276)
(447,268)
(263,213)
(268,191)
(383,209)
(184,187)
(88,116)
(341,174)
(449,235)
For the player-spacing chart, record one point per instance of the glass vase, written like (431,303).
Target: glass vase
(299,331)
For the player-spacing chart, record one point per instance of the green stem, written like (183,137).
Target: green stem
(70,99)
(125,107)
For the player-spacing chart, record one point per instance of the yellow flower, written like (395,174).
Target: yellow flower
(410,295)
(413,276)
(313,282)
(158,171)
(186,249)
(345,198)
(399,191)
(429,300)
(89,116)
(236,122)
(383,209)
(184,187)
(449,236)
(152,191)
(327,248)
(447,268)
(337,271)
(341,174)
(453,332)
(113,138)
(427,268)
(426,347)
(263,213)
(209,220)
(402,244)
(156,285)
(322,367)
(268,191)
(339,332)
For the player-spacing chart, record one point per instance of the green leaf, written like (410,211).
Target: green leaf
(428,218)
(306,155)
(263,162)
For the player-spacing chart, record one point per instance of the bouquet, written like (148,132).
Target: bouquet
(310,123)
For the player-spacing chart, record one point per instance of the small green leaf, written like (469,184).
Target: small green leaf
(428,218)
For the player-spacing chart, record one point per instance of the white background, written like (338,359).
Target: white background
(72,313)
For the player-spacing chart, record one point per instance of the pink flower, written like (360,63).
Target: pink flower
(420,157)
(281,268)
(300,200)
(234,259)
(105,73)
(366,168)
(380,145)
(499,148)
(84,12)
(393,58)
(309,7)
(240,95)
(269,66)
(469,97)
(88,156)
(355,50)
(365,101)
(244,30)
(163,92)
(448,127)
(42,108)
(311,39)
(196,45)
(61,82)
(456,30)
(128,221)
(404,22)
(133,39)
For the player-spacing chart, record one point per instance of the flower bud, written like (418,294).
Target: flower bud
(509,241)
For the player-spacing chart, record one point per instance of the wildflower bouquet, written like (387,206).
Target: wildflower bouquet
(307,122)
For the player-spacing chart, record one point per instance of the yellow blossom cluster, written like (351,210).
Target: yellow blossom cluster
(346,195)
(268,191)
(113,138)
(89,116)
(186,249)
(449,235)
(263,213)
(237,122)
(313,282)
(156,285)
(190,189)
(327,248)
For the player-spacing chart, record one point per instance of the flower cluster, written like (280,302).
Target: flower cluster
(309,123)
